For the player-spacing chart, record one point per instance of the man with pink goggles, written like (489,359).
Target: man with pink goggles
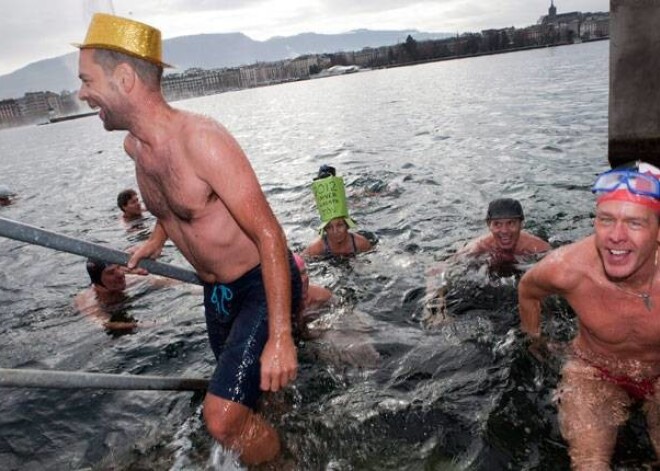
(636,183)
(610,279)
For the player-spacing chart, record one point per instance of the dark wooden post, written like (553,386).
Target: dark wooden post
(634,106)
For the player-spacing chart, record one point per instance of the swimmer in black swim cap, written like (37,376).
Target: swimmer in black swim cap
(110,278)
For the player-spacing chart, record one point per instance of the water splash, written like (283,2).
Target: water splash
(223,460)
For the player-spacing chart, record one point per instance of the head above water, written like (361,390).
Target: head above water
(125,36)
(326,171)
(124,197)
(95,269)
(330,197)
(5,191)
(110,278)
(129,203)
(634,182)
(5,195)
(504,208)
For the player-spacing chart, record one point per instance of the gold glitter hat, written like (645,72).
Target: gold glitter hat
(126,36)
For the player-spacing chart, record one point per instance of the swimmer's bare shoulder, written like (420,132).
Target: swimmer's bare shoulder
(202,136)
(362,243)
(209,146)
(563,270)
(85,299)
(480,245)
(531,244)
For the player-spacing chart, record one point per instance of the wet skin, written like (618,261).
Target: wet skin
(195,178)
(506,232)
(133,208)
(113,278)
(339,240)
(602,277)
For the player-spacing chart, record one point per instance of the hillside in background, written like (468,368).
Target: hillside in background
(206,51)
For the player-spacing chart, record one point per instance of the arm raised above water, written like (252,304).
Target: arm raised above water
(219,161)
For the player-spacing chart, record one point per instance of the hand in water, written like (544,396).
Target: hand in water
(541,349)
(538,348)
(279,363)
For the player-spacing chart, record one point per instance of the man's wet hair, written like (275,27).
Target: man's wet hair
(151,74)
(124,197)
(504,208)
(95,269)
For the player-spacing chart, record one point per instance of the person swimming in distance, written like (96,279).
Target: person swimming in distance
(336,238)
(133,214)
(129,203)
(6,195)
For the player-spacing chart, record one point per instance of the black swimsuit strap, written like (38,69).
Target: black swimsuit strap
(326,244)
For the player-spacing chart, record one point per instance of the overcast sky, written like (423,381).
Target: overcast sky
(31,30)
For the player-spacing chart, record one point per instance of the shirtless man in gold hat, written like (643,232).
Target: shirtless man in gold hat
(612,282)
(194,177)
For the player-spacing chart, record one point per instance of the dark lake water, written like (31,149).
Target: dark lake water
(422,150)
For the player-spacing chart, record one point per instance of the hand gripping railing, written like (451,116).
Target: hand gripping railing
(34,235)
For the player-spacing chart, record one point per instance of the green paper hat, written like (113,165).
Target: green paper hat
(330,197)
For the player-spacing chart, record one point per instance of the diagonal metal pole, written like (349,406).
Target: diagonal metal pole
(49,379)
(52,240)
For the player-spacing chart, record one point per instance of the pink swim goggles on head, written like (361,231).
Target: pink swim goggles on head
(636,183)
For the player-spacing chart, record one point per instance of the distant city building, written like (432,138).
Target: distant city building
(595,26)
(37,104)
(551,29)
(198,82)
(10,112)
(576,26)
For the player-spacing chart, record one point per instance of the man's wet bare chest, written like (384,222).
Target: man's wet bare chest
(172,190)
(622,318)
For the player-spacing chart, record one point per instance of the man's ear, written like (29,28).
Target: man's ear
(125,77)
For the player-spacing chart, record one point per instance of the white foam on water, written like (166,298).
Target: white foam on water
(183,448)
(223,460)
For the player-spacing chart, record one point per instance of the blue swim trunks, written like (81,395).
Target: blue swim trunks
(237,323)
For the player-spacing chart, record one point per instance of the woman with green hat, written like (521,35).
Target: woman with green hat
(336,239)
